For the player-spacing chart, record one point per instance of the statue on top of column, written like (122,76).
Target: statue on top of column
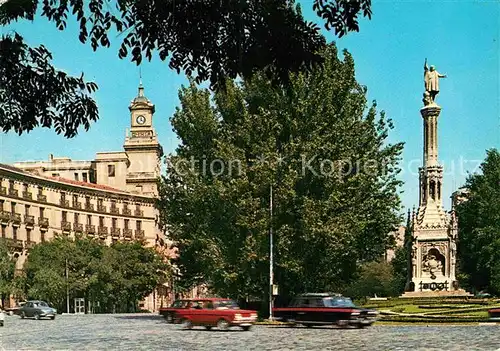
(431,79)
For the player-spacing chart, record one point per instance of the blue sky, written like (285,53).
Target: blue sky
(461,38)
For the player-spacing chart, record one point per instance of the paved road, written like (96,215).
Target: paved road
(150,332)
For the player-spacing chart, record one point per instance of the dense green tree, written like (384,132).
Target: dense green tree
(7,270)
(116,276)
(322,149)
(479,226)
(374,278)
(211,38)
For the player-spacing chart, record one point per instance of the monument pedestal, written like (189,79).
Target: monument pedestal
(436,294)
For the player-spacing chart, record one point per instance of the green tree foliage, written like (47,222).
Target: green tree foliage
(7,269)
(322,149)
(479,226)
(375,278)
(211,38)
(116,276)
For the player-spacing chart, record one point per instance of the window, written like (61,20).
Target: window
(113,223)
(76,176)
(89,219)
(125,223)
(14,233)
(100,203)
(42,210)
(28,235)
(3,231)
(75,199)
(55,174)
(64,216)
(25,187)
(40,190)
(11,184)
(84,177)
(138,225)
(101,221)
(27,210)
(63,197)
(77,218)
(111,170)
(13,207)
(42,236)
(87,200)
(1,205)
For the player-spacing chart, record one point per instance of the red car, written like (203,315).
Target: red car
(211,312)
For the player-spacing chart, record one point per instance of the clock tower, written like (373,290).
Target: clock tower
(142,147)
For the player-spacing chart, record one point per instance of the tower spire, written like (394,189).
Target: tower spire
(141,87)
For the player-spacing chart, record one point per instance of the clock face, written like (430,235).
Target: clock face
(140,119)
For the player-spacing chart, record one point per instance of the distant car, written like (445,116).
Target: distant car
(494,314)
(214,312)
(2,317)
(325,309)
(37,309)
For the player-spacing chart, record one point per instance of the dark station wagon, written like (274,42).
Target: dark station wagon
(325,309)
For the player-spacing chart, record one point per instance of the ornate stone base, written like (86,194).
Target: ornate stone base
(433,294)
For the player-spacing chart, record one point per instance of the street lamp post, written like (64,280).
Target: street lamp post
(67,288)
(271,275)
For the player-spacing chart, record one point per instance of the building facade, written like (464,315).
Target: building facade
(110,198)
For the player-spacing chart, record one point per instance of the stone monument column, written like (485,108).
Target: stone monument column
(433,250)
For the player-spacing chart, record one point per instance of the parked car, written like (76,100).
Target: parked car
(214,312)
(494,314)
(325,309)
(2,317)
(37,309)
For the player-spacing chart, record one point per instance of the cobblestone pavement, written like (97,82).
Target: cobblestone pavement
(150,332)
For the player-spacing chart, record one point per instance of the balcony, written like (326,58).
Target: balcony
(13,192)
(15,244)
(114,210)
(90,229)
(3,191)
(139,234)
(101,208)
(102,230)
(65,226)
(64,203)
(115,232)
(15,218)
(89,206)
(29,220)
(43,222)
(41,198)
(77,205)
(78,227)
(27,195)
(127,233)
(139,213)
(4,217)
(126,211)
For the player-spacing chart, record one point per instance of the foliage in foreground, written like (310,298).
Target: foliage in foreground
(213,39)
(114,277)
(324,152)
(479,227)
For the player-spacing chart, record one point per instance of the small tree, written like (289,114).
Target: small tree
(7,269)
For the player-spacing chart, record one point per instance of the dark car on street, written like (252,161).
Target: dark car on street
(37,309)
(316,309)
